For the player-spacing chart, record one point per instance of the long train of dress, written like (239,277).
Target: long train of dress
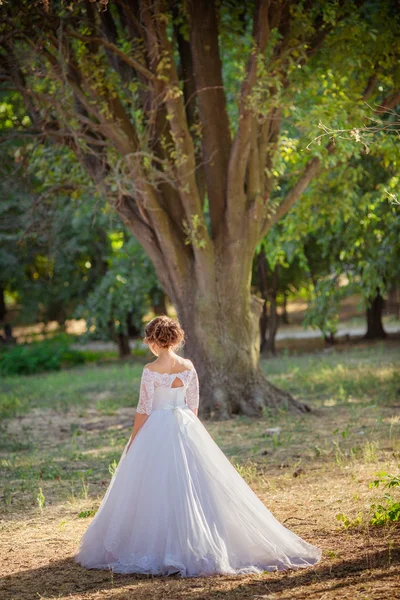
(176,504)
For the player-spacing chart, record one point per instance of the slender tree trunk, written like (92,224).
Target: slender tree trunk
(133,331)
(268,287)
(273,313)
(160,305)
(3,308)
(263,326)
(375,328)
(285,315)
(272,326)
(329,338)
(124,349)
(262,287)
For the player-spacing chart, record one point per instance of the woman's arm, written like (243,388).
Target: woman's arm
(192,393)
(140,420)
(145,404)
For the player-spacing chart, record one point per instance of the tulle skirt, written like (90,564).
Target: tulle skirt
(176,504)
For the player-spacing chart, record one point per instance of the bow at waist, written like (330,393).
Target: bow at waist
(170,406)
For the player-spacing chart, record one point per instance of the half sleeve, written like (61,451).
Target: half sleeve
(146,394)
(192,392)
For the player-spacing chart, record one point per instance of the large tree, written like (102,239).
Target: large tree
(184,113)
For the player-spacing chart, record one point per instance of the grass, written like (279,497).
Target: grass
(70,388)
(62,435)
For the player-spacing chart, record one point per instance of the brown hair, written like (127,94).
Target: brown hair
(164,332)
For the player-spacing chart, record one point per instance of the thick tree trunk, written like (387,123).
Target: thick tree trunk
(375,329)
(222,333)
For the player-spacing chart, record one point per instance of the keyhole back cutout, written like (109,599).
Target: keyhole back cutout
(177,383)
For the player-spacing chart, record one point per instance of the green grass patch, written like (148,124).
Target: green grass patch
(369,375)
(63,390)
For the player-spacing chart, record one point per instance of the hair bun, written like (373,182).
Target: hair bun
(164,332)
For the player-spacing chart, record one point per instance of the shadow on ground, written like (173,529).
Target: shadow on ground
(66,578)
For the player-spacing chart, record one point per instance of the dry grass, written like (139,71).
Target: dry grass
(316,467)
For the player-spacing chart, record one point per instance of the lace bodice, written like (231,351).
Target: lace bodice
(151,380)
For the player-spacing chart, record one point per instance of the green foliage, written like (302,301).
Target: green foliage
(10,405)
(84,514)
(48,355)
(383,513)
(348,245)
(112,467)
(50,254)
(388,481)
(69,249)
(323,310)
(349,523)
(360,248)
(123,294)
(41,500)
(388,511)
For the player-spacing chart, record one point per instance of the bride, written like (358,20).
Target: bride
(175,503)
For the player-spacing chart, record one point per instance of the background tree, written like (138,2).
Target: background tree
(352,243)
(122,296)
(184,113)
(51,253)
(58,252)
(279,270)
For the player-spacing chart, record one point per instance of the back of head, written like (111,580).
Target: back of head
(164,332)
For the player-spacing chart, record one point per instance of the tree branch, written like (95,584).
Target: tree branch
(313,166)
(268,143)
(115,125)
(390,102)
(254,168)
(241,145)
(185,163)
(189,92)
(129,211)
(113,48)
(294,194)
(216,139)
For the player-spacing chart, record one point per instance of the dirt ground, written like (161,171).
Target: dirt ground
(37,556)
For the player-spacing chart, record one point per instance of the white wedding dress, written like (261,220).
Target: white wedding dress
(176,504)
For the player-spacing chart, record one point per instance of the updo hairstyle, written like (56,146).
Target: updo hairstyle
(164,332)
